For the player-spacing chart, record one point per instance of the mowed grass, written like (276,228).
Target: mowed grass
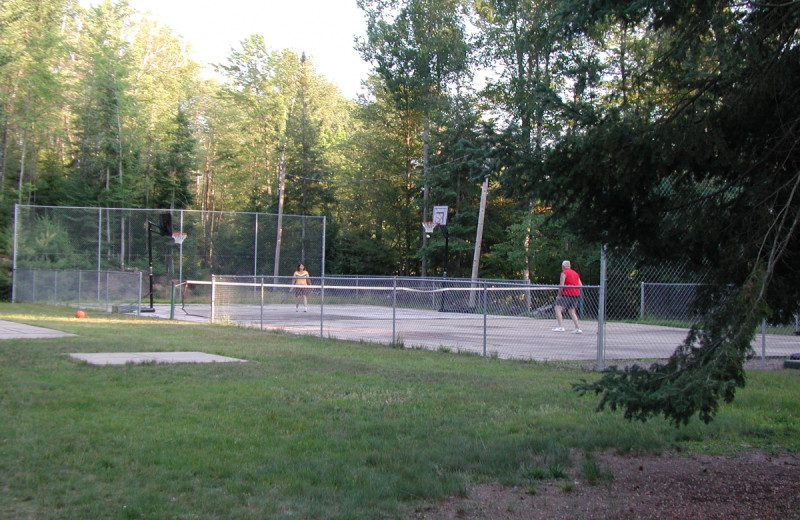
(307,428)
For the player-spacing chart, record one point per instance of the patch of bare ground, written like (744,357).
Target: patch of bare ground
(750,486)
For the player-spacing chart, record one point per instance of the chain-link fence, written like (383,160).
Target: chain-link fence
(502,319)
(490,318)
(661,297)
(180,244)
(109,291)
(636,311)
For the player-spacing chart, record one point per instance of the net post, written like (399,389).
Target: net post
(213,296)
(172,301)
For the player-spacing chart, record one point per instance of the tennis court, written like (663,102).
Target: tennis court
(505,337)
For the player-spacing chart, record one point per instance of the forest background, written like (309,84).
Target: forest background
(103,107)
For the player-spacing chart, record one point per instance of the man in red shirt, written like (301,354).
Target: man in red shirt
(568,295)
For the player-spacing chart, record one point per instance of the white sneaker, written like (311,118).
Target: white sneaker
(558,329)
(577,331)
(305,309)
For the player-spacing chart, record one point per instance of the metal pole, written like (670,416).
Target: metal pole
(150,258)
(394,310)
(601,310)
(261,327)
(255,251)
(763,343)
(99,249)
(14,250)
(324,230)
(485,298)
(446,250)
(322,307)
(641,300)
(172,301)
(213,296)
(139,303)
(180,253)
(99,236)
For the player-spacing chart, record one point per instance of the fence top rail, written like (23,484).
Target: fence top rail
(511,284)
(162,210)
(93,271)
(365,288)
(677,284)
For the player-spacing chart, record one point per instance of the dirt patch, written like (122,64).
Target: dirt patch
(752,485)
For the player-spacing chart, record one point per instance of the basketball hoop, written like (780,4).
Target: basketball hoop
(178,238)
(429,226)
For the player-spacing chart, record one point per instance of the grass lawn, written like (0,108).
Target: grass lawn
(307,428)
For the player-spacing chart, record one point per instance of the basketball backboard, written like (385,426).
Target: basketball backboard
(440,215)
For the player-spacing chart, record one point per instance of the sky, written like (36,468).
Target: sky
(323,29)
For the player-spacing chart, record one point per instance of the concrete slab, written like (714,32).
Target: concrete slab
(13,330)
(123,358)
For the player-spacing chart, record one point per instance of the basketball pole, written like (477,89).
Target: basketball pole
(150,259)
(164,229)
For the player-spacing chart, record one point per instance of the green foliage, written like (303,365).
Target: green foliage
(359,253)
(48,245)
(172,178)
(703,175)
(593,472)
(5,273)
(707,368)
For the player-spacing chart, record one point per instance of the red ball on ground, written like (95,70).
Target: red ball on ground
(80,314)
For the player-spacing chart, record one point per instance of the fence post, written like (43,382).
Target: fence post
(261,325)
(641,300)
(485,299)
(394,310)
(255,251)
(601,310)
(322,307)
(763,343)
(213,296)
(139,302)
(14,249)
(172,301)
(99,237)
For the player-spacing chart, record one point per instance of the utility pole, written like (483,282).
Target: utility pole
(476,256)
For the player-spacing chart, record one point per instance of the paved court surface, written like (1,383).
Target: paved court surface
(123,358)
(13,330)
(10,330)
(506,337)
